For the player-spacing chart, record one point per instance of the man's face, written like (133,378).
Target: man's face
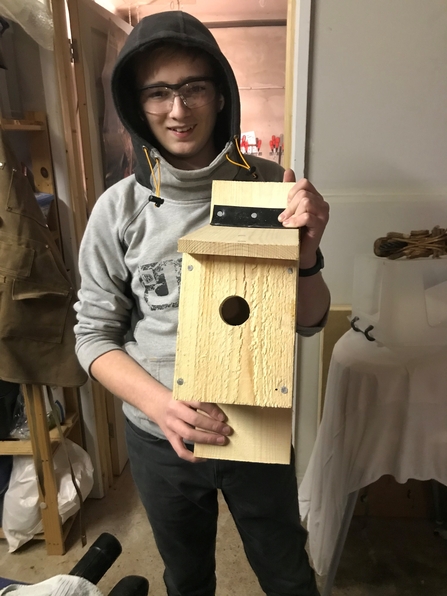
(185,135)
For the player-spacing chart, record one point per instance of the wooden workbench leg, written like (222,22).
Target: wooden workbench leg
(43,460)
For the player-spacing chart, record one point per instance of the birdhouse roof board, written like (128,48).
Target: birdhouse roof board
(242,242)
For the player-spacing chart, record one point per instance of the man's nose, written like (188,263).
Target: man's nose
(178,105)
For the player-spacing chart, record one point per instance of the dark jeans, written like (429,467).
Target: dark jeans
(180,499)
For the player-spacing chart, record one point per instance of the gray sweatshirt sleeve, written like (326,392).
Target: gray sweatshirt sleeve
(105,305)
(310,331)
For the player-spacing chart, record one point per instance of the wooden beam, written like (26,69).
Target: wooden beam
(85,119)
(43,459)
(24,447)
(67,92)
(290,69)
(22,125)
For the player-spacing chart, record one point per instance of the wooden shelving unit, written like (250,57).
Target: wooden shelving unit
(44,442)
(41,446)
(24,447)
(35,126)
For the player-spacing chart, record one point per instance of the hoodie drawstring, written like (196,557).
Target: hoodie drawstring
(245,165)
(156,181)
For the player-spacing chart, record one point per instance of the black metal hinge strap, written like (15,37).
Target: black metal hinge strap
(246,217)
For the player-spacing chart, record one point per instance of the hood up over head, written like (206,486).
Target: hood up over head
(184,29)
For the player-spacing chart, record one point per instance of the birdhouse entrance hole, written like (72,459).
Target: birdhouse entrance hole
(234,310)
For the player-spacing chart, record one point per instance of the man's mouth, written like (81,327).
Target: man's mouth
(181,129)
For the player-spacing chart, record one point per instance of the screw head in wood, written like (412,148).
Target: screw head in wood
(180,381)
(284,390)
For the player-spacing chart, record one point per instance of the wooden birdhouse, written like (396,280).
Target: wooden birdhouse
(237,319)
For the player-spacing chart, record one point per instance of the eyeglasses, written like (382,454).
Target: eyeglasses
(159,99)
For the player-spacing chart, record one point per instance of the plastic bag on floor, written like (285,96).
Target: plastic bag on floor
(21,510)
(34,17)
(59,585)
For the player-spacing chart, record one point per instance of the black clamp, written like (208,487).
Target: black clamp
(365,332)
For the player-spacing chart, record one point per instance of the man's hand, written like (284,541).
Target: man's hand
(192,421)
(306,209)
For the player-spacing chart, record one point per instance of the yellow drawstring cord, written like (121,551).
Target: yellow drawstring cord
(157,182)
(245,165)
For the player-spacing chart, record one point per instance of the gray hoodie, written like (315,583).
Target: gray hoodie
(129,263)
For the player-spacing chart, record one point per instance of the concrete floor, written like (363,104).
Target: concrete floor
(382,556)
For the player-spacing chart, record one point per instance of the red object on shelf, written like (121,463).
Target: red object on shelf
(274,143)
(244,143)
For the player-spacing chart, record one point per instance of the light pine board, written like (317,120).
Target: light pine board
(337,325)
(278,244)
(45,474)
(249,364)
(260,435)
(249,194)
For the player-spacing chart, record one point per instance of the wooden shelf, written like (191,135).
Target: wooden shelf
(41,536)
(38,141)
(41,446)
(24,447)
(22,125)
(43,442)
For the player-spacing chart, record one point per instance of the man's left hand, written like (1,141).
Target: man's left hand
(306,209)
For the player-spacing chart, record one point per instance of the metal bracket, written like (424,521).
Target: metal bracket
(246,217)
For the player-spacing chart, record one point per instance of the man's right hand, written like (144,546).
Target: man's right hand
(192,421)
(180,421)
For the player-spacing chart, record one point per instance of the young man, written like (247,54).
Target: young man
(177,96)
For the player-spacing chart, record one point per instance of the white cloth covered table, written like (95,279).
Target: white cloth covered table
(384,413)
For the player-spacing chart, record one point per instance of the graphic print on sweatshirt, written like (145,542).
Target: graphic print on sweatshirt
(161,283)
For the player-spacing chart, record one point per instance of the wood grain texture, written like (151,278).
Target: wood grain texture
(244,361)
(278,244)
(248,364)
(289,107)
(260,435)
(68,103)
(43,461)
(247,194)
(338,323)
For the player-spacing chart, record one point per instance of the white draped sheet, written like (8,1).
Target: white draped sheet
(384,413)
